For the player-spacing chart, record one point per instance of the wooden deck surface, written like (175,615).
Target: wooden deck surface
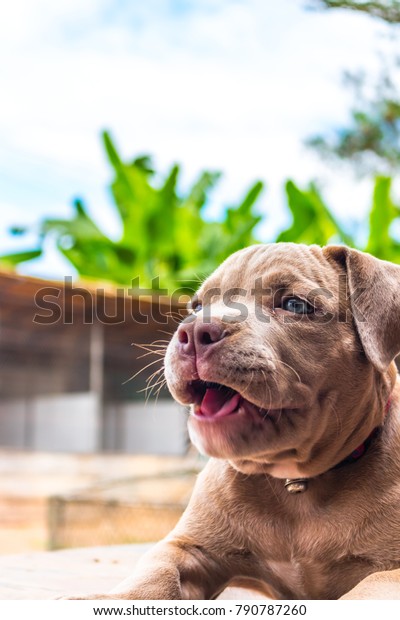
(47,575)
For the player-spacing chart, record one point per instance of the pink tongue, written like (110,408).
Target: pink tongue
(215,402)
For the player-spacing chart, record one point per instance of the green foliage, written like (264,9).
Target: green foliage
(12,260)
(312,221)
(164,233)
(387,10)
(384,213)
(371,140)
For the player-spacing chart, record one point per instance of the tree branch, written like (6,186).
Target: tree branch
(388,11)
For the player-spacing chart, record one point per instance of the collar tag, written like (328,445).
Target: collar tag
(296,485)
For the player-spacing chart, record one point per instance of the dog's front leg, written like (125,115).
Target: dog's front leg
(384,585)
(174,569)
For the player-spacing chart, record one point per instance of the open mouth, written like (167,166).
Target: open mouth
(214,400)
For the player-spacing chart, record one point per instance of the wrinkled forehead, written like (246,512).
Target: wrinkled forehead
(280,265)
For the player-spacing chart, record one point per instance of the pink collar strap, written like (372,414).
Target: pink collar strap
(299,485)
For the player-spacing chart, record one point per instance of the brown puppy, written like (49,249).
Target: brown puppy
(287,363)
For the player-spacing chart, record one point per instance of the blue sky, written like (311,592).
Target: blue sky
(233,85)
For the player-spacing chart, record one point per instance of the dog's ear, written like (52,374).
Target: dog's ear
(374,289)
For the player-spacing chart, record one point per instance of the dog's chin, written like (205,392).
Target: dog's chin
(250,449)
(224,424)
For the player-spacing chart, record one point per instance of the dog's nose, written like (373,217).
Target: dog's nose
(196,337)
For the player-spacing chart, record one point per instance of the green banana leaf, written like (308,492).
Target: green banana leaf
(383,214)
(166,240)
(312,221)
(14,259)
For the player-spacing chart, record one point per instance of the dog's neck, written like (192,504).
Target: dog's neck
(334,427)
(299,485)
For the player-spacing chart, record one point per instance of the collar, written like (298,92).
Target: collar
(299,485)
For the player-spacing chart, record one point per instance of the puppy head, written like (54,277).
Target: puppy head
(284,358)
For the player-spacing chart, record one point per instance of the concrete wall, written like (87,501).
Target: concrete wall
(13,423)
(56,423)
(137,428)
(72,423)
(66,423)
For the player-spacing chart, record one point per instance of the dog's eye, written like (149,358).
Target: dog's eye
(194,305)
(296,305)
